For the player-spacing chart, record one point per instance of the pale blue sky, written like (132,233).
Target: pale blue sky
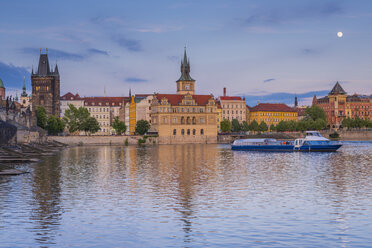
(250,47)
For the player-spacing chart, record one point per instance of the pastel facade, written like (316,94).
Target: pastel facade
(272,113)
(2,90)
(68,99)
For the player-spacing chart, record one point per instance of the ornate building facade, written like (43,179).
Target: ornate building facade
(184,117)
(338,105)
(46,87)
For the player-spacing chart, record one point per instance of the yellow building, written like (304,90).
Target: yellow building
(132,116)
(272,113)
(184,117)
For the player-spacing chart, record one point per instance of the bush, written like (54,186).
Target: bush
(334,135)
(126,142)
(142,126)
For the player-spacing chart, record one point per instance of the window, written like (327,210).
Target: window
(183,131)
(174,131)
(188,131)
(202,120)
(201,131)
(164,120)
(193,132)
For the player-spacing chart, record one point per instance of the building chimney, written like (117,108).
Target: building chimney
(224,91)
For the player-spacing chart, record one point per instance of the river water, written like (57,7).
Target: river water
(190,196)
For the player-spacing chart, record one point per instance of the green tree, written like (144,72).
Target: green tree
(142,127)
(320,124)
(272,127)
(119,126)
(291,125)
(245,126)
(41,117)
(226,125)
(263,126)
(254,126)
(90,125)
(79,119)
(315,112)
(348,123)
(236,127)
(282,126)
(54,125)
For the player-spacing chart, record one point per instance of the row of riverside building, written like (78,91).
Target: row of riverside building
(183,117)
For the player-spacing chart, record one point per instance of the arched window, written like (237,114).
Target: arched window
(41,100)
(174,131)
(182,120)
(188,120)
(188,131)
(193,120)
(201,131)
(183,131)
(193,132)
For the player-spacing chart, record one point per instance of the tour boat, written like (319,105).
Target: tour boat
(313,142)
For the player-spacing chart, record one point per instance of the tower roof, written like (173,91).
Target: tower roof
(44,68)
(337,90)
(185,69)
(1,84)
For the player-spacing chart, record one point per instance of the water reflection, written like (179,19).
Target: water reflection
(191,196)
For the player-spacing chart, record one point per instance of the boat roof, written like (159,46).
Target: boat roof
(254,140)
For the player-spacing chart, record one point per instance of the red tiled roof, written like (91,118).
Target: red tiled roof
(105,101)
(70,96)
(175,99)
(273,107)
(231,98)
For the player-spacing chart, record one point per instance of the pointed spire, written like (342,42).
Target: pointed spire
(130,92)
(296,102)
(32,71)
(185,68)
(56,69)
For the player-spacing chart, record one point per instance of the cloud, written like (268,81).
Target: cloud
(129,44)
(282,97)
(135,80)
(269,80)
(159,29)
(94,51)
(55,53)
(285,14)
(12,75)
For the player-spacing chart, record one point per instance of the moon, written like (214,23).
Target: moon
(339,34)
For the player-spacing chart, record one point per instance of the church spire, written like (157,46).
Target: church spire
(185,69)
(296,102)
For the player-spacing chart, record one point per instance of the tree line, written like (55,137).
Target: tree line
(78,120)
(315,119)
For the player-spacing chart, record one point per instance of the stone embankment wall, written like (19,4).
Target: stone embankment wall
(361,135)
(102,140)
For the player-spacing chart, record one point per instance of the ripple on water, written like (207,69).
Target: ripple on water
(190,196)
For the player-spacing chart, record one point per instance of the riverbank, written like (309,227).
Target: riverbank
(361,135)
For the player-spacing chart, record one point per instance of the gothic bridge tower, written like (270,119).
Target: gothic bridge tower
(185,84)
(46,87)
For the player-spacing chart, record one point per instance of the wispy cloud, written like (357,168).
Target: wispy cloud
(94,51)
(158,29)
(285,15)
(269,80)
(129,44)
(135,80)
(12,75)
(282,97)
(58,54)
(63,55)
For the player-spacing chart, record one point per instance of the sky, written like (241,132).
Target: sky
(265,50)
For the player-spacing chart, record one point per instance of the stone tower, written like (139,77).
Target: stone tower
(185,84)
(46,87)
